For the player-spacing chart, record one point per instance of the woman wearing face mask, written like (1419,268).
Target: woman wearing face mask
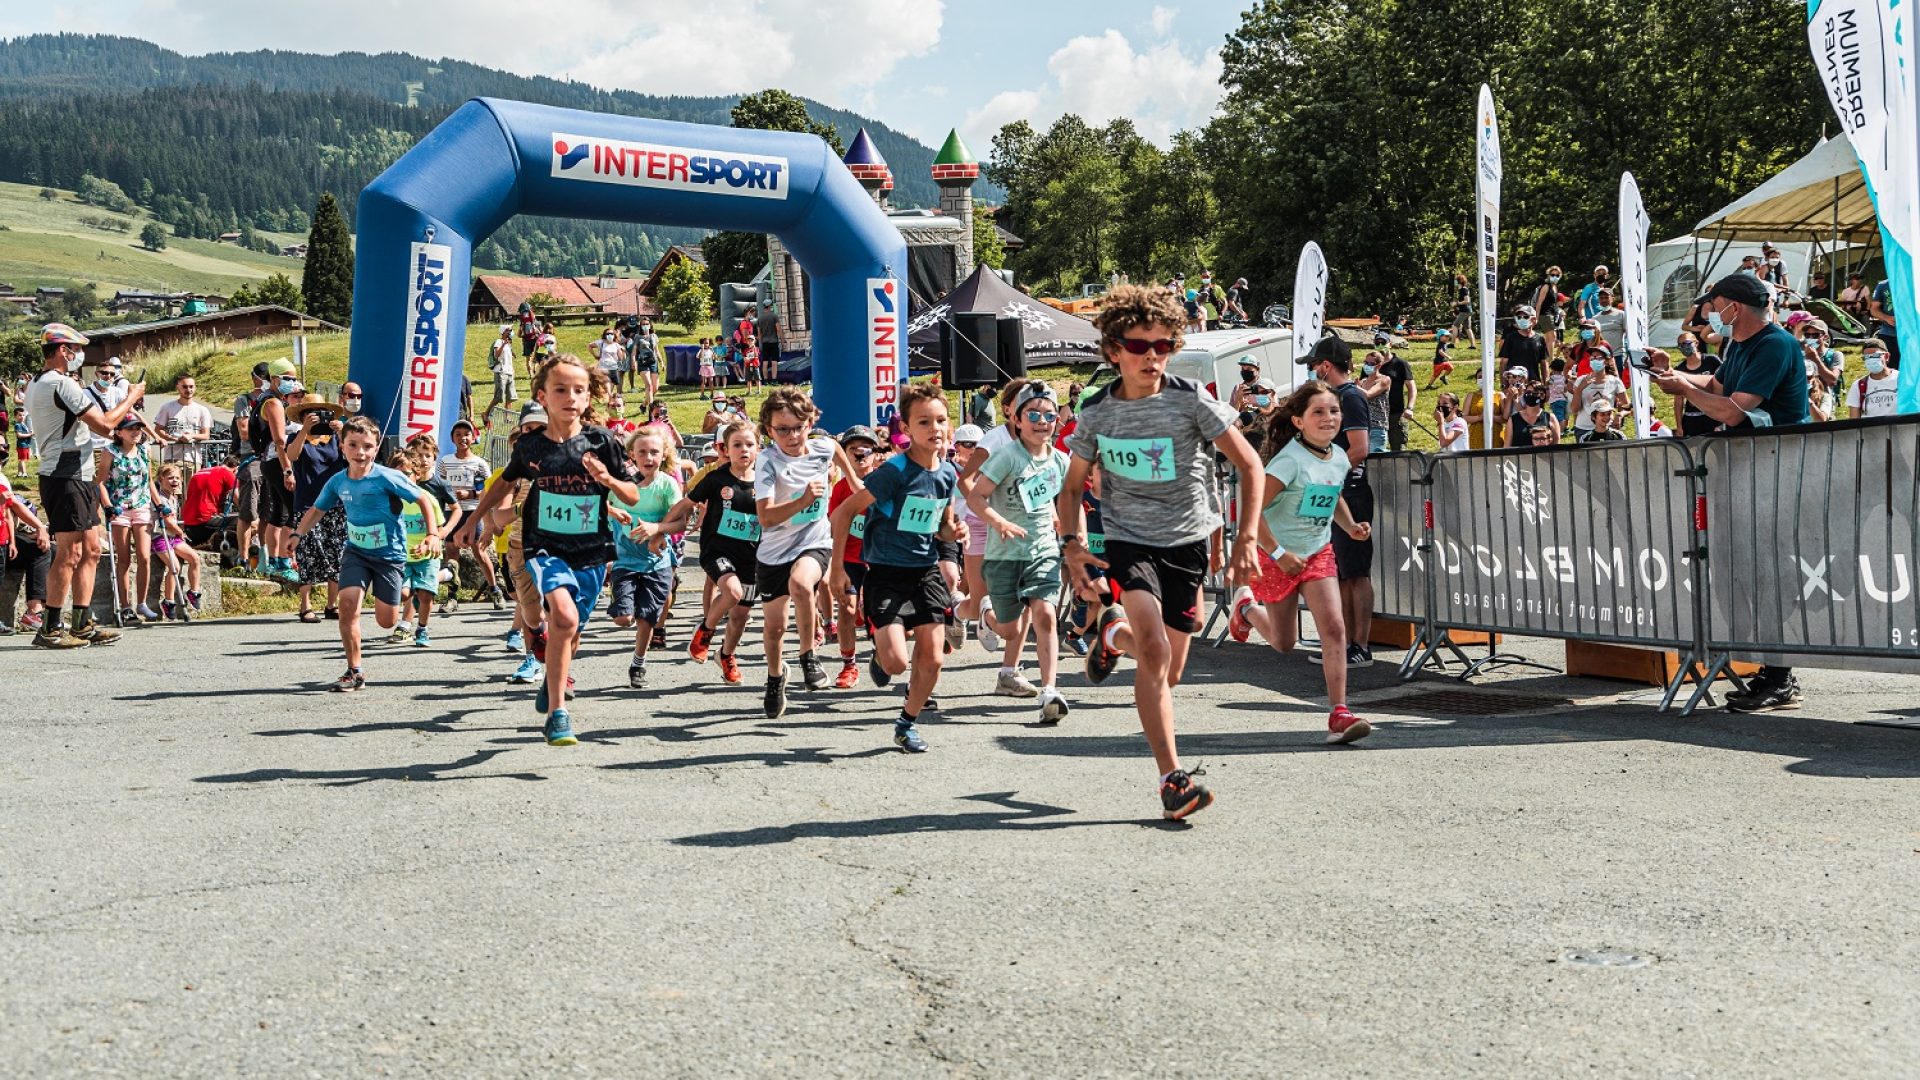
(1530,414)
(1454,435)
(1258,405)
(1695,360)
(268,435)
(1375,385)
(610,355)
(1549,301)
(1588,351)
(1602,385)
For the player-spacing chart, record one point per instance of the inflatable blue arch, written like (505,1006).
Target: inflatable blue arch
(492,159)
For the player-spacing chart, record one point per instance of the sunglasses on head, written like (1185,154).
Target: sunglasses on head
(1139,346)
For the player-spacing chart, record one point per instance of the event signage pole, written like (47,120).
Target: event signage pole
(1487,202)
(1633,292)
(1866,53)
(1309,302)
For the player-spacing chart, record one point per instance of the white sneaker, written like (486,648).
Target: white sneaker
(990,640)
(1014,684)
(148,613)
(956,635)
(1053,707)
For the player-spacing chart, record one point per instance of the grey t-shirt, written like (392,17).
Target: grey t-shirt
(55,403)
(1156,474)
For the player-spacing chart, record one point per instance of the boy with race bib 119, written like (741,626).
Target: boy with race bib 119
(1149,432)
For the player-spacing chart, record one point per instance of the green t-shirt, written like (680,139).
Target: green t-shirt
(1024,492)
(656,499)
(1301,519)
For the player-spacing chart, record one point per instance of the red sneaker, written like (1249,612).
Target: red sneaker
(849,676)
(697,647)
(1237,625)
(730,669)
(1344,727)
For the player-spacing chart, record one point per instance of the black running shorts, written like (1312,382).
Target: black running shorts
(1172,575)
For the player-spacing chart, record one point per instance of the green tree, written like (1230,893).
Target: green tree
(280,289)
(777,110)
(153,237)
(328,281)
(733,257)
(243,296)
(988,248)
(82,300)
(685,297)
(19,352)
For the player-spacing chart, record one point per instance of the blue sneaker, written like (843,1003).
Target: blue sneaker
(516,641)
(529,671)
(560,728)
(907,737)
(422,638)
(540,700)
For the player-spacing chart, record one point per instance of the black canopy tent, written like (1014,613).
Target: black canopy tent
(1049,333)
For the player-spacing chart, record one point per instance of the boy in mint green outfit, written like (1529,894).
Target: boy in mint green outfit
(1014,494)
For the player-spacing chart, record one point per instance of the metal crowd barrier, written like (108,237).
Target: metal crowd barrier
(1812,545)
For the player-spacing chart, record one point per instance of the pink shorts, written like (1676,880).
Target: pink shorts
(1274,584)
(139,515)
(164,544)
(976,536)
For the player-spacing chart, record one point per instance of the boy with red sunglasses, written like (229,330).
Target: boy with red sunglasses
(1149,431)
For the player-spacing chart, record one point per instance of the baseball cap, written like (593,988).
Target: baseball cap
(59,333)
(129,421)
(532,414)
(281,366)
(1739,288)
(260,370)
(463,422)
(1250,361)
(1333,350)
(968,433)
(1525,311)
(1034,391)
(857,433)
(1873,344)
(110,362)
(1598,407)
(1517,371)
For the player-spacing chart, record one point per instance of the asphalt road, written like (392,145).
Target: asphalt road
(208,867)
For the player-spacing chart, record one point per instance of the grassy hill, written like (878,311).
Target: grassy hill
(48,243)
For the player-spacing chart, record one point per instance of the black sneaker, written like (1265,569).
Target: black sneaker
(1180,796)
(1358,657)
(776,697)
(1101,659)
(637,674)
(813,673)
(877,673)
(907,737)
(1766,697)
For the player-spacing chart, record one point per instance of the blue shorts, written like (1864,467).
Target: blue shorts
(383,579)
(423,575)
(551,573)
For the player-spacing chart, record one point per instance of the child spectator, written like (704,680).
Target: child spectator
(130,502)
(182,579)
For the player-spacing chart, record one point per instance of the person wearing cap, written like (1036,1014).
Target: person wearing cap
(314,448)
(65,420)
(1550,302)
(1762,377)
(1611,322)
(1823,361)
(1589,298)
(1236,301)
(500,363)
(1442,359)
(130,499)
(1521,346)
(1877,392)
(464,473)
(1588,349)
(1249,374)
(1773,268)
(1599,427)
(1257,405)
(718,415)
(863,447)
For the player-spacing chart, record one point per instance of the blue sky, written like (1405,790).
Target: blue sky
(922,66)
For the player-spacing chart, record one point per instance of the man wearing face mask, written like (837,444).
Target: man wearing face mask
(1522,348)
(65,419)
(1762,380)
(1249,374)
(267,437)
(1590,293)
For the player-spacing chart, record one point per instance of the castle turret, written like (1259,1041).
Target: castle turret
(863,160)
(955,171)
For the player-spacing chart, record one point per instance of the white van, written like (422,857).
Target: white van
(1212,359)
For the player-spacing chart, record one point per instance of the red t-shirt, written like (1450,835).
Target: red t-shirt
(205,492)
(842,491)
(6,519)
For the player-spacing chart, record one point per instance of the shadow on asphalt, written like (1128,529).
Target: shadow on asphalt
(1017,816)
(418,773)
(806,755)
(444,724)
(1827,748)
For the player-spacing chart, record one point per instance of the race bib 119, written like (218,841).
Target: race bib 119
(1149,461)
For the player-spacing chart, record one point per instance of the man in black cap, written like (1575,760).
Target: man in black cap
(1762,380)
(1332,363)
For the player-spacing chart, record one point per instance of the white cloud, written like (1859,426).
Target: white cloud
(1162,20)
(835,55)
(1162,88)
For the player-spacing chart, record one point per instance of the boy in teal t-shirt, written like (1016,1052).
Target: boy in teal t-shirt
(1014,494)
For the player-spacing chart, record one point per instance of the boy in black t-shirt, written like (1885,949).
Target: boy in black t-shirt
(571,467)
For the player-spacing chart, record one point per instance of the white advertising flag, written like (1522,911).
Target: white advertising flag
(1633,293)
(1309,302)
(1866,53)
(1487,263)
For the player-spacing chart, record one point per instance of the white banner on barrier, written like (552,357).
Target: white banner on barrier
(1633,293)
(1487,205)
